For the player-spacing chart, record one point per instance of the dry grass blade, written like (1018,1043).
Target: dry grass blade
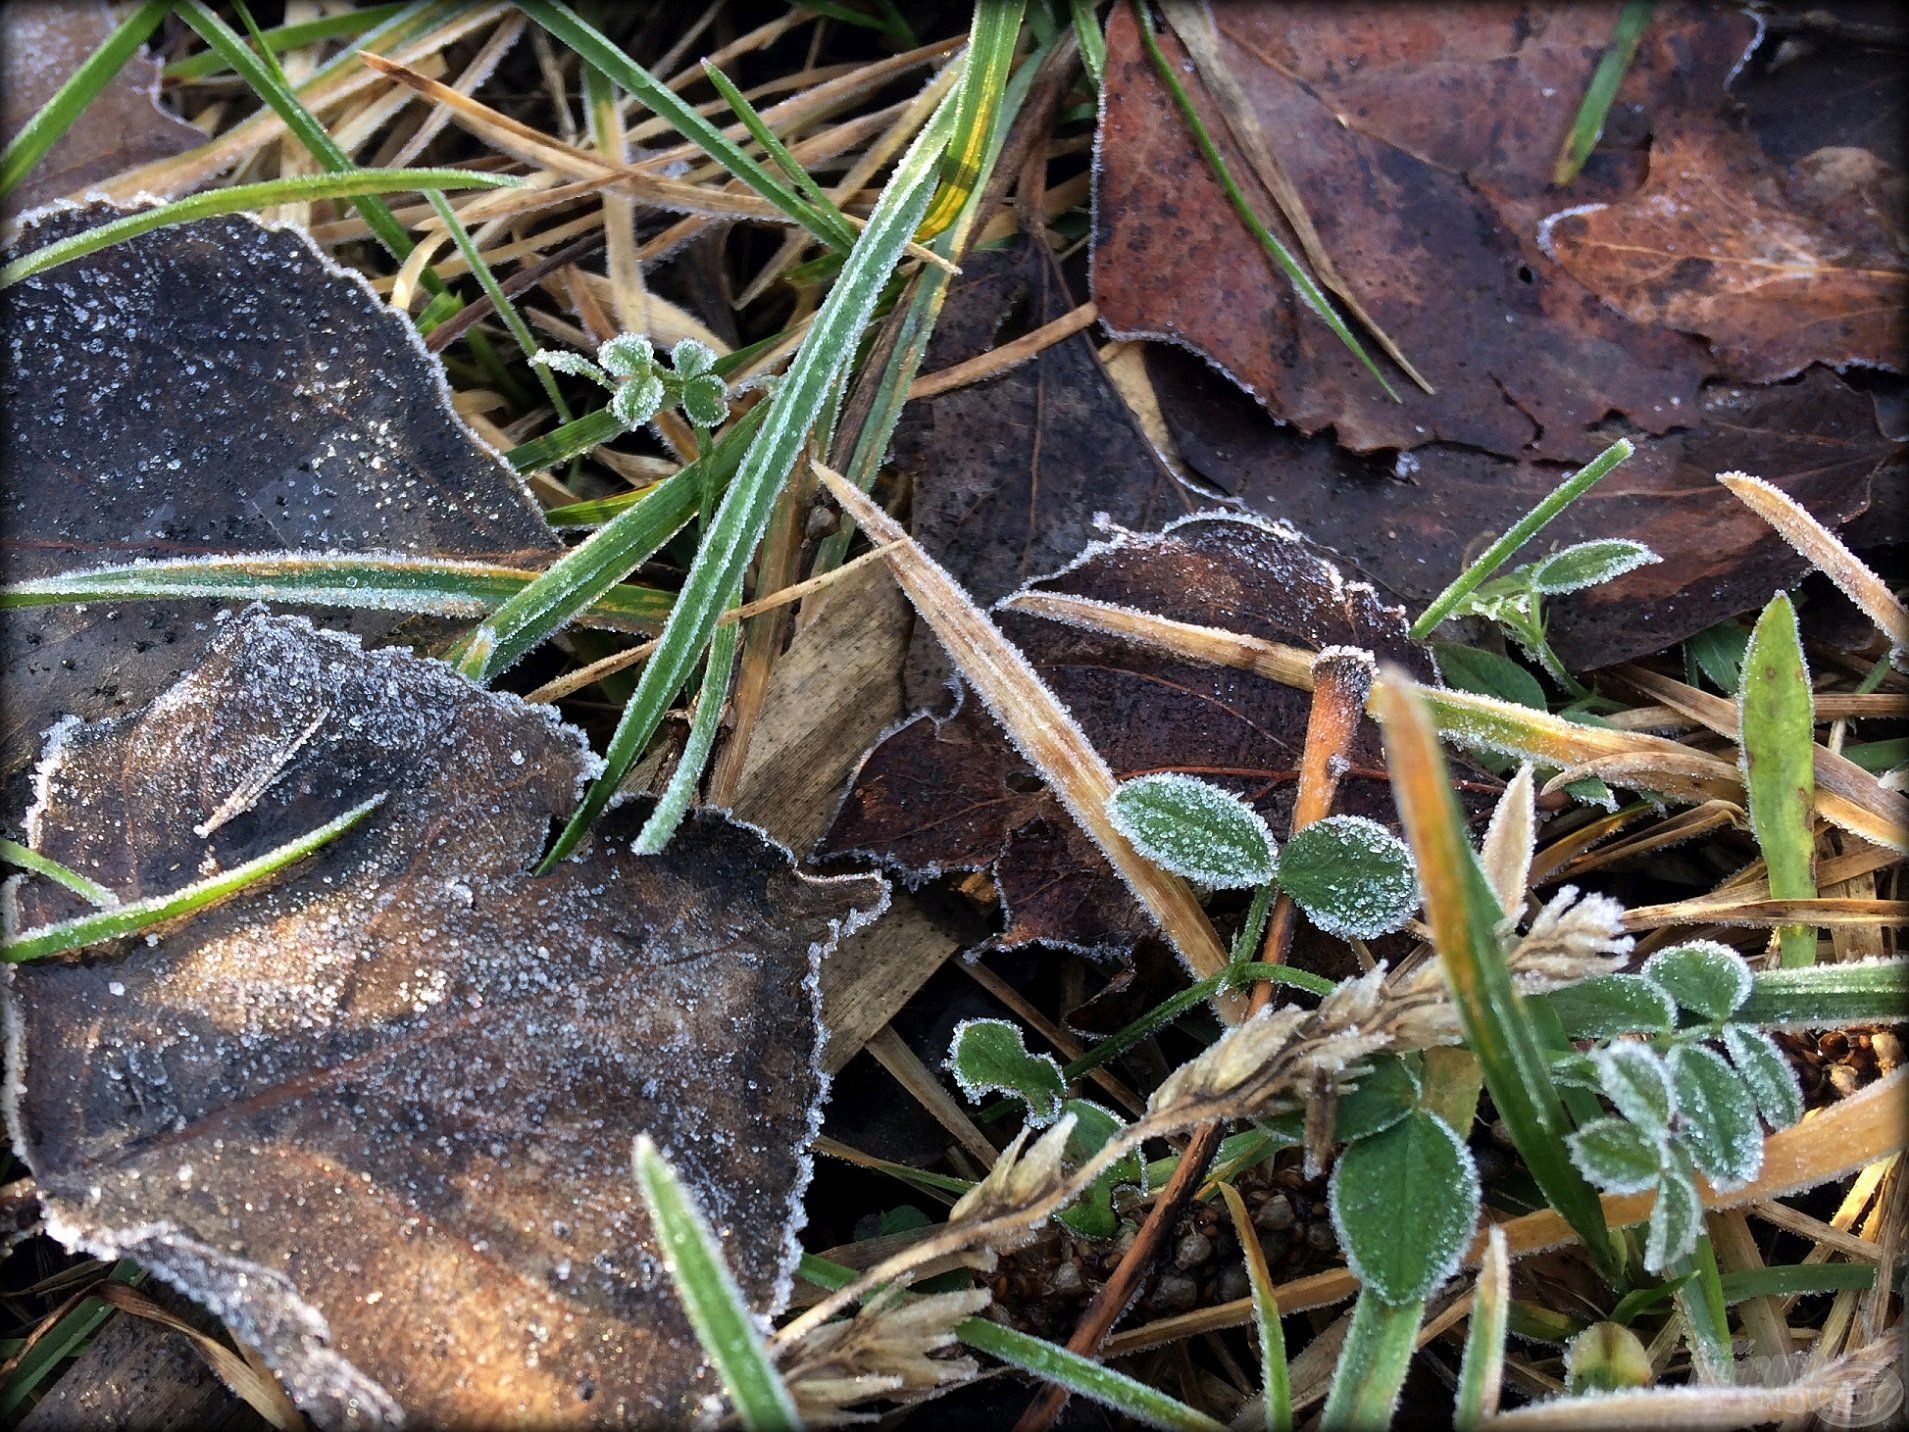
(1843,787)
(1825,913)
(1038,724)
(1826,552)
(999,360)
(251,1381)
(1861,807)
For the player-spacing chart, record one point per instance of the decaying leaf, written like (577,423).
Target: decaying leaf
(1777,268)
(952,794)
(1011,472)
(1412,522)
(379,1115)
(213,389)
(41,43)
(1418,140)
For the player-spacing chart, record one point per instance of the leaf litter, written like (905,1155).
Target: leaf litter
(938,795)
(378,1116)
(214,389)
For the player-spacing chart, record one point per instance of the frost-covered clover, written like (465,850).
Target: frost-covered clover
(1351,876)
(1683,1108)
(640,387)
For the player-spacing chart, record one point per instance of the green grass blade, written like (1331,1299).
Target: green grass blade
(561,444)
(500,301)
(1093,44)
(243,198)
(137,915)
(1609,74)
(1372,1364)
(24,858)
(716,1311)
(565,25)
(1777,718)
(926,296)
(738,523)
(82,87)
(583,574)
(1787,1282)
(681,790)
(1083,1377)
(383,583)
(1827,996)
(1309,292)
(992,37)
(59,1342)
(281,38)
(1522,531)
(1700,1298)
(262,77)
(779,154)
(1464,916)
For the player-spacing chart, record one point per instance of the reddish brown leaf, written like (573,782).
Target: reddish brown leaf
(1414,522)
(954,795)
(1413,135)
(379,1115)
(213,389)
(1777,268)
(41,43)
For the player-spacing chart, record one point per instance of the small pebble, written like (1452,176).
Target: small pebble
(1191,1251)
(1275,1213)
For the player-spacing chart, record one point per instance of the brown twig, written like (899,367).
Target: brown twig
(1342,680)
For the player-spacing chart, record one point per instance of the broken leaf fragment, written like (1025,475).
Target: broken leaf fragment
(377,1115)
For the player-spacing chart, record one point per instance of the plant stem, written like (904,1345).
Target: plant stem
(1474,576)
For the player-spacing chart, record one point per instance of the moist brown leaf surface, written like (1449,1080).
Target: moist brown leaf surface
(953,794)
(41,43)
(1777,267)
(378,1116)
(1413,521)
(211,389)
(1011,472)
(1410,135)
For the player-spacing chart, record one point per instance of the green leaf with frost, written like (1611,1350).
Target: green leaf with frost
(1703,976)
(1195,830)
(990,1056)
(1351,876)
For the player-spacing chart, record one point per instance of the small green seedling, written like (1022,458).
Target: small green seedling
(640,387)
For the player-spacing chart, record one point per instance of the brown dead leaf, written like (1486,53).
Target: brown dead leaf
(1011,472)
(1777,268)
(213,389)
(952,794)
(41,43)
(1413,523)
(378,1116)
(1416,137)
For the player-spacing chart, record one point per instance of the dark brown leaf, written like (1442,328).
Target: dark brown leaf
(213,389)
(1414,522)
(1011,472)
(379,1115)
(1415,136)
(953,794)
(41,43)
(1777,267)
